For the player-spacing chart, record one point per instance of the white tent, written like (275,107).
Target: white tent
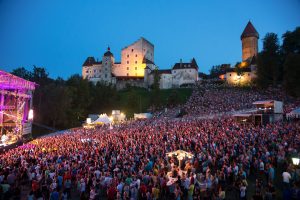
(102,119)
(294,113)
(142,115)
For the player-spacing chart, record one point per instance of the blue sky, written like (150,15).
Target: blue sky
(60,34)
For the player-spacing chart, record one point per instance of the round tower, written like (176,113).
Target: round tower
(249,39)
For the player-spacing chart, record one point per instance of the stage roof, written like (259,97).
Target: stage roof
(242,115)
(263,102)
(10,81)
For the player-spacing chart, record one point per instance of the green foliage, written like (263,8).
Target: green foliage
(269,70)
(217,70)
(155,97)
(291,42)
(238,69)
(23,73)
(292,74)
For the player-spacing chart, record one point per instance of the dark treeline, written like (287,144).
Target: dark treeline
(66,103)
(62,104)
(280,64)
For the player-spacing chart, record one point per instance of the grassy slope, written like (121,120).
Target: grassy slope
(143,99)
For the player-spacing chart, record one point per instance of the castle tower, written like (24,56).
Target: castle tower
(107,63)
(249,39)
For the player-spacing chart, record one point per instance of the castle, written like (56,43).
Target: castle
(249,40)
(137,68)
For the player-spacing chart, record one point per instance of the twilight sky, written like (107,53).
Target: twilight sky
(60,34)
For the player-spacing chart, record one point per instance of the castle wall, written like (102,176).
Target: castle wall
(233,78)
(132,58)
(249,47)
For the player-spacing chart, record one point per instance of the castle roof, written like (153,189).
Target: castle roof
(89,61)
(245,69)
(249,31)
(140,39)
(147,61)
(162,71)
(191,65)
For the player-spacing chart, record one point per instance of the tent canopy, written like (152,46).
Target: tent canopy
(103,118)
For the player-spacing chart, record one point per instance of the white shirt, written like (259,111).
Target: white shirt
(261,166)
(243,191)
(286,177)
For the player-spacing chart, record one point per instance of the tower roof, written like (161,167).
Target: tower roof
(108,53)
(249,31)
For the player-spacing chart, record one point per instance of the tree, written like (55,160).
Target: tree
(238,69)
(155,93)
(23,73)
(268,62)
(40,76)
(292,74)
(56,105)
(217,70)
(81,99)
(291,42)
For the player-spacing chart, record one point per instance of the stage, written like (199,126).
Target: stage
(16,113)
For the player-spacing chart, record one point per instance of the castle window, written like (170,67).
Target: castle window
(135,68)
(127,74)
(229,74)
(248,74)
(135,55)
(105,75)
(132,50)
(127,68)
(135,62)
(127,62)
(127,55)
(87,72)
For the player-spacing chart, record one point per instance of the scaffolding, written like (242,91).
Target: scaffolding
(15,107)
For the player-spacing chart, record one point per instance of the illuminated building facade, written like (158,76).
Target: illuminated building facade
(247,73)
(137,68)
(181,74)
(134,59)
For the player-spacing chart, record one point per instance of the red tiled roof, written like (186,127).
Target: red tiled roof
(249,31)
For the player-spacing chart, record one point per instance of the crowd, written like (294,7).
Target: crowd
(130,160)
(210,99)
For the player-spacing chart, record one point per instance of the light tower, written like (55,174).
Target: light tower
(249,39)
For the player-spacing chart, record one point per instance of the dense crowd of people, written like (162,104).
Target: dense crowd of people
(130,161)
(210,99)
